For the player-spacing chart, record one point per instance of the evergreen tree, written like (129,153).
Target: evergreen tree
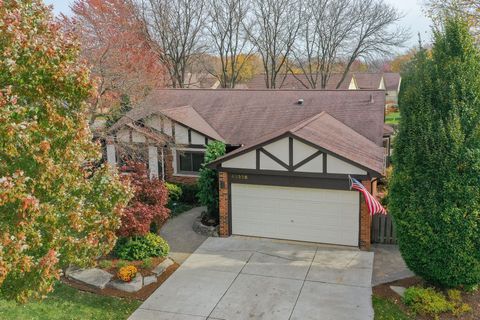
(208,181)
(435,188)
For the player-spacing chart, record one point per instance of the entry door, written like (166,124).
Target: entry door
(303,214)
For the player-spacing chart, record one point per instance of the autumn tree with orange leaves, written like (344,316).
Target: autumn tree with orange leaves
(57,205)
(115,45)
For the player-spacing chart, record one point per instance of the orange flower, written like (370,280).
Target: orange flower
(127,273)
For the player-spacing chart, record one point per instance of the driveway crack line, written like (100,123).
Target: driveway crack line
(231,284)
(303,283)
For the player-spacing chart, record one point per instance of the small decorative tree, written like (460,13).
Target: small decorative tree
(148,205)
(56,206)
(208,181)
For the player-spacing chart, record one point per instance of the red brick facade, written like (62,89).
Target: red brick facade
(365,218)
(169,172)
(223,204)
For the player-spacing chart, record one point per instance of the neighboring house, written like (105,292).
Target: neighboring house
(290,153)
(389,82)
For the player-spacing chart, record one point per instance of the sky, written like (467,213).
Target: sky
(414,18)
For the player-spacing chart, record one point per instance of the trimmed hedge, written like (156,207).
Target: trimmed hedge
(434,193)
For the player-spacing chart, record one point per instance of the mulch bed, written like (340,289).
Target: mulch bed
(384,291)
(142,294)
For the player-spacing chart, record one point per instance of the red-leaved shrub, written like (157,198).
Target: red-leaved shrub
(148,204)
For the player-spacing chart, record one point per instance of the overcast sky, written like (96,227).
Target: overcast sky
(414,17)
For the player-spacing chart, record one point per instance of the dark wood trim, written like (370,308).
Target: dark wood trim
(206,140)
(289,134)
(246,150)
(293,181)
(307,159)
(257,159)
(369,171)
(290,154)
(274,158)
(189,135)
(189,128)
(324,162)
(287,174)
(194,146)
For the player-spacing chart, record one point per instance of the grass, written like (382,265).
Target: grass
(387,310)
(392,118)
(67,303)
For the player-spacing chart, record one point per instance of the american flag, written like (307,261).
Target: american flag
(373,205)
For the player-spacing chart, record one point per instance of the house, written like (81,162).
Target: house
(289,155)
(389,82)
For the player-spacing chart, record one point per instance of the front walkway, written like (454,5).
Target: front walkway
(388,265)
(240,278)
(180,236)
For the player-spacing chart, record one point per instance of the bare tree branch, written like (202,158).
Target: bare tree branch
(274,29)
(175,27)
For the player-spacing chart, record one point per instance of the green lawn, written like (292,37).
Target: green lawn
(392,118)
(67,303)
(386,310)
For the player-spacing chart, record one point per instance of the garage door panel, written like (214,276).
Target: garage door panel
(316,215)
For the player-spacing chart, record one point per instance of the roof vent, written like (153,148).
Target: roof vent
(371,99)
(300,102)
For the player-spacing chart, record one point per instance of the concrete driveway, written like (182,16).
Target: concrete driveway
(250,278)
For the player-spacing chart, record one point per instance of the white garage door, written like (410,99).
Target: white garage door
(304,214)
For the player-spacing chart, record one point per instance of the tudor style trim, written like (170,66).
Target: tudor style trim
(217,164)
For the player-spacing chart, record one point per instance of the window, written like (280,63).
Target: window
(189,161)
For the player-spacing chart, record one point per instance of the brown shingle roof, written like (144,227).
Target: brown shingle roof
(392,81)
(364,80)
(189,117)
(387,130)
(330,134)
(369,81)
(242,116)
(298,81)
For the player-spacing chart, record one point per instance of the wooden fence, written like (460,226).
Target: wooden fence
(383,230)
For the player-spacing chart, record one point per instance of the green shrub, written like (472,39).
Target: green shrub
(427,301)
(147,263)
(121,264)
(189,194)
(174,192)
(105,264)
(138,248)
(208,181)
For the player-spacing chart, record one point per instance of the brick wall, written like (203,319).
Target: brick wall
(223,204)
(365,220)
(169,176)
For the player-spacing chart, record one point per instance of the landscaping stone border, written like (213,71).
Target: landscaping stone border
(200,228)
(101,279)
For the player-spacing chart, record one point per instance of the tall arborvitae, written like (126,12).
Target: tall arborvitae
(435,189)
